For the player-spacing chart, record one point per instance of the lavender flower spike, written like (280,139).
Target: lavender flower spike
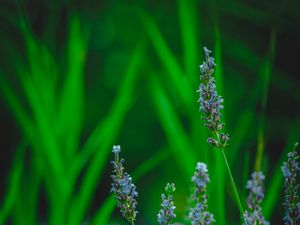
(210,106)
(211,102)
(291,189)
(166,213)
(256,195)
(199,214)
(124,189)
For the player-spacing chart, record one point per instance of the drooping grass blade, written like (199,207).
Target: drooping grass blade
(266,74)
(13,184)
(100,142)
(168,60)
(182,150)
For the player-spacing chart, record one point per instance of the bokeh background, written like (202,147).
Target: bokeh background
(77,77)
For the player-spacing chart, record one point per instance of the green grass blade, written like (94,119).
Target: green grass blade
(49,146)
(27,203)
(104,213)
(29,131)
(219,68)
(72,97)
(244,122)
(17,109)
(245,174)
(115,117)
(102,140)
(168,59)
(14,183)
(30,190)
(182,150)
(187,19)
(238,50)
(41,69)
(39,93)
(150,163)
(265,79)
(238,9)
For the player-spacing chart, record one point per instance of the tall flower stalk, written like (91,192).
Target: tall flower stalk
(123,188)
(199,214)
(290,169)
(210,106)
(166,213)
(254,215)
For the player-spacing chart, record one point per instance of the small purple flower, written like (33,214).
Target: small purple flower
(124,189)
(199,214)
(256,195)
(166,213)
(256,192)
(290,168)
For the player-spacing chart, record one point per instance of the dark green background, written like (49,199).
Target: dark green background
(80,76)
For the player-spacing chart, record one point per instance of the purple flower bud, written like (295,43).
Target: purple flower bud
(199,212)
(224,138)
(167,212)
(290,168)
(213,142)
(256,195)
(206,51)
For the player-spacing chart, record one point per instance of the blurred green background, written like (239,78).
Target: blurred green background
(77,77)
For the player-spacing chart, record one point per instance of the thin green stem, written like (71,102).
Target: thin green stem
(235,192)
(132,222)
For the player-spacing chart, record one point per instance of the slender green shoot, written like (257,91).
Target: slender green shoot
(235,192)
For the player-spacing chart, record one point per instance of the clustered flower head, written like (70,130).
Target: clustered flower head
(211,102)
(199,214)
(166,213)
(124,189)
(291,189)
(256,195)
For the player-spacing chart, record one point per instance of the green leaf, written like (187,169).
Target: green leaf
(101,140)
(13,184)
(182,150)
(48,145)
(265,79)
(72,96)
(168,60)
(187,16)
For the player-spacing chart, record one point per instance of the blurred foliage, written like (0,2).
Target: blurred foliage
(77,77)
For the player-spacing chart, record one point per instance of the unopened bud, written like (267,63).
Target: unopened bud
(220,126)
(212,142)
(170,187)
(224,138)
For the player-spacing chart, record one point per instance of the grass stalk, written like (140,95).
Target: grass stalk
(235,192)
